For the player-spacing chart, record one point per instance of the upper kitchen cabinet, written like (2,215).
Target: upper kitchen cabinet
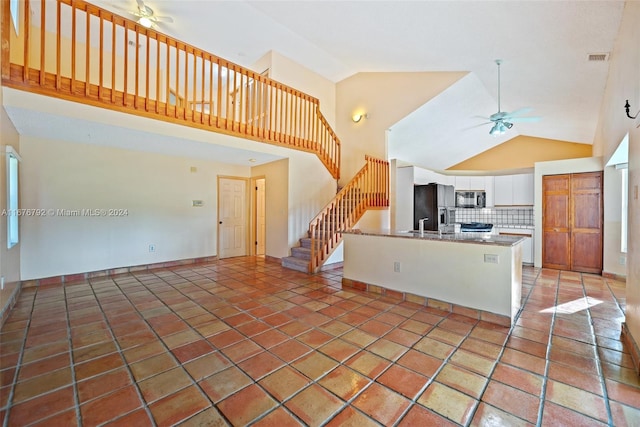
(514,190)
(470,183)
(426,176)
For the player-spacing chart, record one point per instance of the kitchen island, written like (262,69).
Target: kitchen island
(475,274)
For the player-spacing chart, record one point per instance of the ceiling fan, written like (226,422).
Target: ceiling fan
(146,16)
(502,120)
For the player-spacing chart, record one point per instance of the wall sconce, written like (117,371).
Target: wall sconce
(359,116)
(627,107)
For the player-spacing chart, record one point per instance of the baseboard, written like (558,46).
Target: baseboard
(79,277)
(473,313)
(13,298)
(334,266)
(270,258)
(631,344)
(614,276)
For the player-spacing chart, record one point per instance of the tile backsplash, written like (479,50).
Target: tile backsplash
(497,216)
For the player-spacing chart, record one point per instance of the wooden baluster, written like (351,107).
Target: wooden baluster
(167,88)
(219,90)
(147,72)
(58,46)
(136,87)
(157,97)
(177,94)
(125,94)
(202,89)
(113,60)
(211,111)
(87,66)
(228,97)
(73,48)
(43,49)
(27,32)
(186,83)
(195,85)
(101,56)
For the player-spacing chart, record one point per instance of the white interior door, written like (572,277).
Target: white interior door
(261,222)
(232,217)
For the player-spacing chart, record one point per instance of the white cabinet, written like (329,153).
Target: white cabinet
(488,188)
(513,190)
(503,190)
(462,183)
(426,176)
(523,189)
(470,183)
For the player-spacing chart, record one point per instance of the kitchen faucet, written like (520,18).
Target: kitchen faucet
(421,226)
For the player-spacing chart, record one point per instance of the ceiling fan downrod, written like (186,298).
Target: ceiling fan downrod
(499,61)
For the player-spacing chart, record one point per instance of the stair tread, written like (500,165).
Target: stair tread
(297,264)
(296,260)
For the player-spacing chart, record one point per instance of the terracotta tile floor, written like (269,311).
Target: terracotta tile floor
(246,342)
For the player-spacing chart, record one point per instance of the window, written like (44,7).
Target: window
(12,197)
(624,172)
(15,7)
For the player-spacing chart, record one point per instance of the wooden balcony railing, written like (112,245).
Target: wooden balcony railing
(77,51)
(368,189)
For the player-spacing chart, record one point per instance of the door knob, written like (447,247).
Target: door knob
(220,222)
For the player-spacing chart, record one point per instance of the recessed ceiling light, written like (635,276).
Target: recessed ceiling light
(252,160)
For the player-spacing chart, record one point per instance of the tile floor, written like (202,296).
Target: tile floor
(246,342)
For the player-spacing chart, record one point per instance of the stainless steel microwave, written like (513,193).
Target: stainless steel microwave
(471,199)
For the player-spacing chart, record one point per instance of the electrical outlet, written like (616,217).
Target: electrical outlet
(396,267)
(622,260)
(492,258)
(152,248)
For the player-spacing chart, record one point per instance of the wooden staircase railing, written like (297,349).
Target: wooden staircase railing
(368,189)
(77,51)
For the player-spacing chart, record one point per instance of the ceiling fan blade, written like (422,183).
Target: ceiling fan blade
(518,112)
(477,126)
(163,19)
(525,119)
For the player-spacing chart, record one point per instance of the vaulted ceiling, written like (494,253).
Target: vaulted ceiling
(544,46)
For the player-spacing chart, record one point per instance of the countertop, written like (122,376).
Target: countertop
(475,238)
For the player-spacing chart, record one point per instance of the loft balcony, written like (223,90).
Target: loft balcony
(76,51)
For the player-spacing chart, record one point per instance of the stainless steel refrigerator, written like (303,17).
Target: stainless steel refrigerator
(436,203)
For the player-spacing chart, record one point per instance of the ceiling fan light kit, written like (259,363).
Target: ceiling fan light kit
(146,16)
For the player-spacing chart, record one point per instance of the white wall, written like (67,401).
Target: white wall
(386,98)
(587,164)
(402,212)
(155,190)
(612,255)
(311,187)
(9,258)
(623,83)
(284,70)
(276,176)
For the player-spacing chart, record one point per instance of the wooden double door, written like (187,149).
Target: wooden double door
(572,222)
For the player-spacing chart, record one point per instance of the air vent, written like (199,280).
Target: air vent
(598,57)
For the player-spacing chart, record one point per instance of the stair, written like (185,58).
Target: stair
(368,189)
(300,256)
